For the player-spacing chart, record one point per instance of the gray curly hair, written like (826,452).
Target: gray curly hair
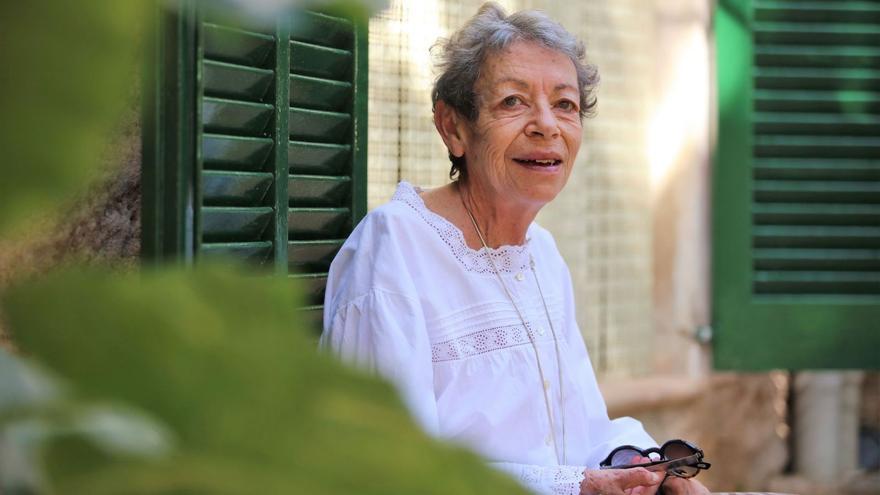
(491,30)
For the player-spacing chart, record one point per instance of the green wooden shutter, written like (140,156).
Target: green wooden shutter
(255,141)
(796,220)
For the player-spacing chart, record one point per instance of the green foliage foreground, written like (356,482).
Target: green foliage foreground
(221,361)
(68,73)
(174,382)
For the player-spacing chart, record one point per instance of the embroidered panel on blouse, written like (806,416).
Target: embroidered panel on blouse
(508,259)
(493,326)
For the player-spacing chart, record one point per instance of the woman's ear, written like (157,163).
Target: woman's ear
(450,125)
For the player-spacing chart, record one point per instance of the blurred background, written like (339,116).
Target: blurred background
(722,223)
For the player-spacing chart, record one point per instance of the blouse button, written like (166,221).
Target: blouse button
(548,440)
(520,277)
(541,331)
(546,384)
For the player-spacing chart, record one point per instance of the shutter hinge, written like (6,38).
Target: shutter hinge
(703,334)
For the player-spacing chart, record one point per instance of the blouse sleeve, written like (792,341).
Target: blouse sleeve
(385,332)
(373,317)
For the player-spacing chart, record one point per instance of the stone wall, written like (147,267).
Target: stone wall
(101,226)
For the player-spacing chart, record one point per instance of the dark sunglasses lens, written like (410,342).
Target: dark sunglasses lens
(624,457)
(677,450)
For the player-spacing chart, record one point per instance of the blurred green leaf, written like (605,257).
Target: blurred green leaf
(226,363)
(35,411)
(68,70)
(120,430)
(24,386)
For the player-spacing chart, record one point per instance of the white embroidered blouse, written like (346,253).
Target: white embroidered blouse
(407,297)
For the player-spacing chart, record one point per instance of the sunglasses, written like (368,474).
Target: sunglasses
(675,457)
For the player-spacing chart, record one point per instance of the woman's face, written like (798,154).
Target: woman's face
(523,144)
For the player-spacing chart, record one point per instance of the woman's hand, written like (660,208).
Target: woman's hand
(683,486)
(633,481)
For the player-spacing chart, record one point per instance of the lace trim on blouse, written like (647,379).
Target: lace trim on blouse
(508,259)
(547,480)
(483,341)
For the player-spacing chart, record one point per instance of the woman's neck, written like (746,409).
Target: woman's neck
(500,222)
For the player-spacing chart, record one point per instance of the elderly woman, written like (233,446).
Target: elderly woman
(461,300)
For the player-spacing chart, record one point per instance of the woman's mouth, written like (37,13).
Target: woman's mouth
(538,163)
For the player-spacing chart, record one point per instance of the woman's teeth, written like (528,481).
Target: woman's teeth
(543,163)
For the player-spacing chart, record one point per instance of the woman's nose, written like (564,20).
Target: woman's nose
(543,122)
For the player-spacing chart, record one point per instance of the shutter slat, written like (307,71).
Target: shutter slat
(816,33)
(816,282)
(817,259)
(814,276)
(312,256)
(815,214)
(247,154)
(816,78)
(318,223)
(322,29)
(817,169)
(840,101)
(319,158)
(817,146)
(236,117)
(228,224)
(254,252)
(236,81)
(234,188)
(817,56)
(817,191)
(318,125)
(320,61)
(318,93)
(796,236)
(236,45)
(849,11)
(816,124)
(318,190)
(313,285)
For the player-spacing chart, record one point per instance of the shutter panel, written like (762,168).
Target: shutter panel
(816,211)
(271,138)
(236,116)
(797,185)
(326,157)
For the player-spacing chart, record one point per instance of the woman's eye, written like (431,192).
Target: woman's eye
(567,105)
(512,101)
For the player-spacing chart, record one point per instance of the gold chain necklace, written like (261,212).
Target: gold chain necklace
(544,382)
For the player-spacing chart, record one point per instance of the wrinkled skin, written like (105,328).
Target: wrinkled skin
(637,481)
